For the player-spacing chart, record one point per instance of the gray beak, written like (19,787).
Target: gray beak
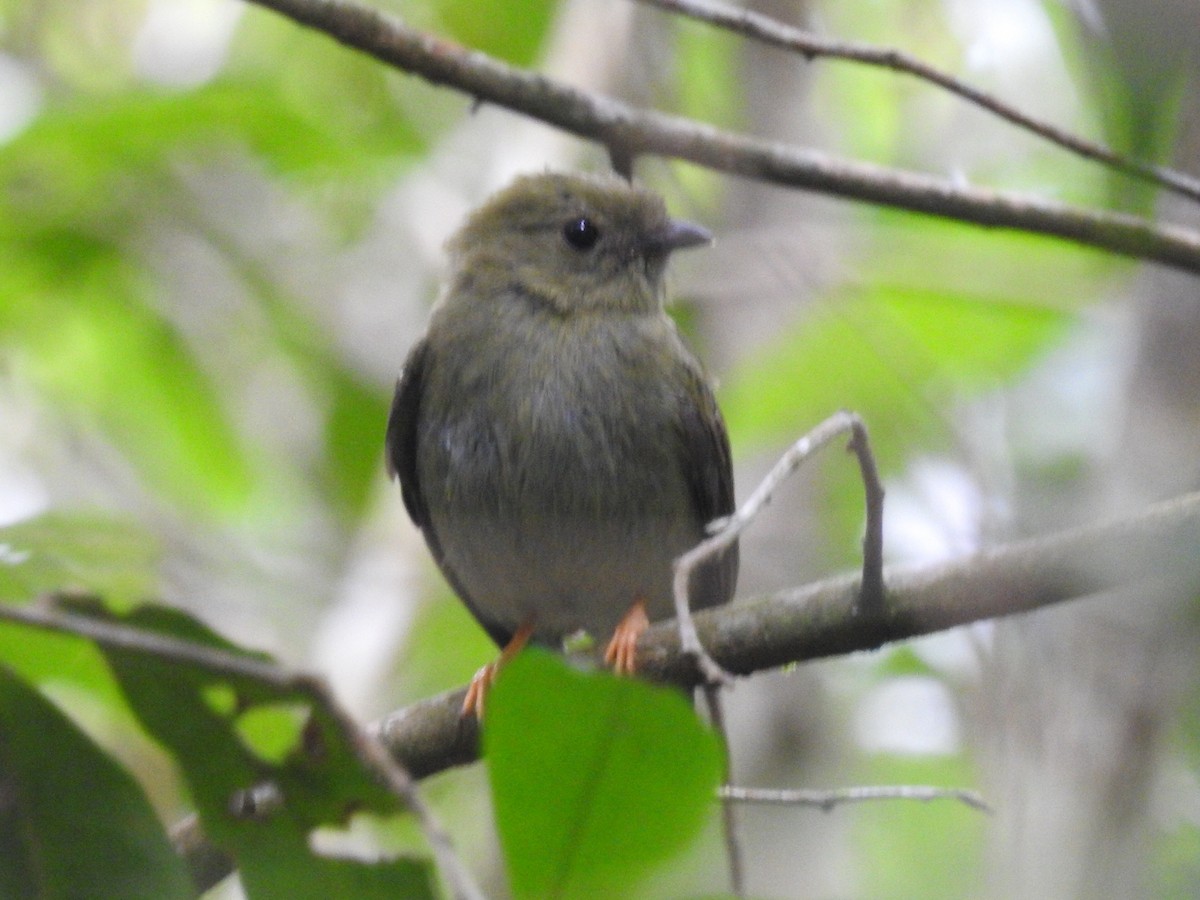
(676,234)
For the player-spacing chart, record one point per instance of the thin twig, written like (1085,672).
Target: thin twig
(368,748)
(827,800)
(629,132)
(731,528)
(122,637)
(733,846)
(762,28)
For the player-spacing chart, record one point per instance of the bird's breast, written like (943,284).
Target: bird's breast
(574,426)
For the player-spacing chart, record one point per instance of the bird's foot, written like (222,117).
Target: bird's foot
(477,690)
(483,680)
(621,652)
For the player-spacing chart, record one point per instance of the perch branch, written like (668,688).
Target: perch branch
(824,619)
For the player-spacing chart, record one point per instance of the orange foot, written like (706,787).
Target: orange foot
(621,652)
(483,680)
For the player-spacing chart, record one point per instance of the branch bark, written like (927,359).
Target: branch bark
(628,132)
(824,619)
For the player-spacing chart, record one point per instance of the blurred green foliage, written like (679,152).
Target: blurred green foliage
(1136,90)
(903,841)
(934,315)
(83,550)
(511,31)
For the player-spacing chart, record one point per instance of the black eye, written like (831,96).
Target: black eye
(581,233)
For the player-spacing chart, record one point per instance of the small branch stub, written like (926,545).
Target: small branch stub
(871,593)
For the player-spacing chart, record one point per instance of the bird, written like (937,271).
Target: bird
(555,441)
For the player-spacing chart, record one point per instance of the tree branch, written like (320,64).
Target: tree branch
(827,800)
(628,132)
(727,530)
(756,26)
(824,619)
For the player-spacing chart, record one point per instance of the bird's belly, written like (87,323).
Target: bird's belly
(565,506)
(565,572)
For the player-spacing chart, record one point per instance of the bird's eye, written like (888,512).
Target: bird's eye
(581,233)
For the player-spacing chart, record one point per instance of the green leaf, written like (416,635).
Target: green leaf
(595,779)
(91,551)
(73,823)
(231,733)
(902,845)
(74,672)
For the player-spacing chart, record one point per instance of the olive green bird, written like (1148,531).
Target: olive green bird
(555,441)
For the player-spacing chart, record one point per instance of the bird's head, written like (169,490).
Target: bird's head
(573,243)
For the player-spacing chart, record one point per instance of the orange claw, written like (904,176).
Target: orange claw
(478,689)
(483,680)
(621,652)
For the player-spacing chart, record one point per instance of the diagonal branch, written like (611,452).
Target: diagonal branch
(825,619)
(770,31)
(628,132)
(822,619)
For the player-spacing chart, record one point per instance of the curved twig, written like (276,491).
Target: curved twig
(727,530)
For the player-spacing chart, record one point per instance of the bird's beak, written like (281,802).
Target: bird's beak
(676,234)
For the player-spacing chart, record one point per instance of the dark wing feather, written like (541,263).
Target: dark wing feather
(401,441)
(401,459)
(708,469)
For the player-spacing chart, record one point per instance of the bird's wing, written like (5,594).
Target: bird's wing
(401,441)
(708,469)
(401,459)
